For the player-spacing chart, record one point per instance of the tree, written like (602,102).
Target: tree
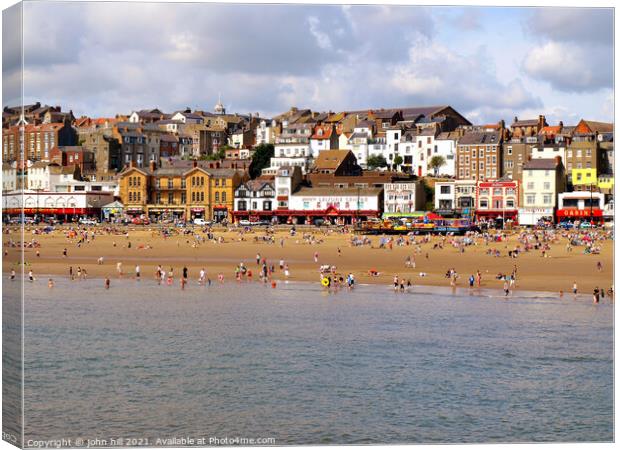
(398,160)
(261,159)
(436,162)
(375,161)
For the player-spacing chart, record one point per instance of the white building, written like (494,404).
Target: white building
(292,147)
(255,197)
(403,197)
(324,138)
(543,180)
(49,176)
(338,201)
(445,146)
(188,117)
(445,196)
(9,177)
(392,141)
(265,132)
(286,180)
(550,151)
(58,203)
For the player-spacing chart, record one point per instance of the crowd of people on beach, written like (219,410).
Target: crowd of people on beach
(524,241)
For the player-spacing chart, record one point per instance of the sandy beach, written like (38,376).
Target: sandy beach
(146,247)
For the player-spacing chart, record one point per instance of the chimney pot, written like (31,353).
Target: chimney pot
(195,163)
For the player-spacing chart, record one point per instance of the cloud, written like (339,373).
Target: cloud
(11,55)
(571,68)
(108,58)
(575,50)
(578,25)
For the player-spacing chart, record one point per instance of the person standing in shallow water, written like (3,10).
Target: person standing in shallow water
(595,295)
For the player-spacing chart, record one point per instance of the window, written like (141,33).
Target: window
(530,185)
(547,185)
(170,198)
(484,203)
(547,199)
(223,197)
(170,183)
(509,150)
(217,197)
(510,203)
(569,153)
(497,191)
(444,189)
(530,199)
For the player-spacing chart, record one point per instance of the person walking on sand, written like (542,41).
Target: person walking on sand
(202,276)
(107,283)
(64,252)
(506,288)
(599,266)
(575,287)
(137,272)
(119,269)
(316,257)
(471,281)
(395,283)
(30,275)
(258,259)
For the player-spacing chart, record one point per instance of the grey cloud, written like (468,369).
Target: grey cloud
(579,25)
(11,55)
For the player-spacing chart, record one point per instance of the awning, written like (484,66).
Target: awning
(568,212)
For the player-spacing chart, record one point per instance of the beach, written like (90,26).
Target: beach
(428,261)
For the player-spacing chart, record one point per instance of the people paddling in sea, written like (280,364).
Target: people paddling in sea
(575,287)
(471,281)
(595,295)
(506,289)
(107,283)
(30,275)
(50,283)
(170,276)
(12,274)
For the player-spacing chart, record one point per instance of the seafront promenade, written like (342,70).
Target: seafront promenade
(551,260)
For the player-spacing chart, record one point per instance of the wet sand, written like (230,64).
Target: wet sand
(556,272)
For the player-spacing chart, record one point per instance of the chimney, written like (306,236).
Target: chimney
(153,166)
(558,160)
(195,163)
(516,119)
(541,121)
(132,163)
(529,157)
(217,165)
(211,165)
(561,124)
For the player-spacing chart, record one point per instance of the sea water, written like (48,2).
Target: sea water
(155,364)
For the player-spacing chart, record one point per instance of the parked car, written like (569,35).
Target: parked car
(245,223)
(585,225)
(201,222)
(566,225)
(87,221)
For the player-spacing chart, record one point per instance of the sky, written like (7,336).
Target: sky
(102,59)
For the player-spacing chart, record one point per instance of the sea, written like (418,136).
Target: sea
(143,364)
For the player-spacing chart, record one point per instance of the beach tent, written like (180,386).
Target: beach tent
(115,208)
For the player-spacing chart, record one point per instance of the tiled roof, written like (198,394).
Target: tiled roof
(322,132)
(331,159)
(480,138)
(540,164)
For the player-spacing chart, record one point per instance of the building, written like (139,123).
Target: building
(9,177)
(38,140)
(68,203)
(337,163)
(479,156)
(405,197)
(292,147)
(543,180)
(465,197)
(497,199)
(580,205)
(528,127)
(255,200)
(74,156)
(105,148)
(180,192)
(517,151)
(324,138)
(265,132)
(445,147)
(583,152)
(341,206)
(445,198)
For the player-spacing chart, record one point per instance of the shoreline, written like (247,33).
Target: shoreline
(459,291)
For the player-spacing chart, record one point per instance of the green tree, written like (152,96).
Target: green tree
(398,160)
(261,159)
(436,162)
(375,161)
